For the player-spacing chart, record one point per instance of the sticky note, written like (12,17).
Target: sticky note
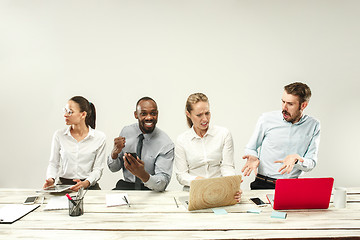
(257,211)
(219,211)
(276,214)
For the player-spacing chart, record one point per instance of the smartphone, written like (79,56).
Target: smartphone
(30,200)
(132,154)
(258,202)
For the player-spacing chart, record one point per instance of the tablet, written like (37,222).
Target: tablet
(56,189)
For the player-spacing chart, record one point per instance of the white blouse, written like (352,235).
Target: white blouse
(77,160)
(210,156)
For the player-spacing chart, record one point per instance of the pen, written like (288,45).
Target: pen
(83,194)
(79,193)
(176,202)
(127,202)
(68,196)
(42,201)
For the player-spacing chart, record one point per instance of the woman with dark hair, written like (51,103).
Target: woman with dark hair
(78,151)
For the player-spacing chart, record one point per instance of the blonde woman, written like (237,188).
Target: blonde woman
(204,150)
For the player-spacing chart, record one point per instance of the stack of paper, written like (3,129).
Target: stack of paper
(57,203)
(117,199)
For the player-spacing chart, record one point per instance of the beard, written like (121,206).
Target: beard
(291,118)
(147,129)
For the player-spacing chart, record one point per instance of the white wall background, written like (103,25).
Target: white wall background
(239,53)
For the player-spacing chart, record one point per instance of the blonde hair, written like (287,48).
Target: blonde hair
(193,99)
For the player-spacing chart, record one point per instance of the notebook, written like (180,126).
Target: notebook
(301,193)
(13,212)
(212,192)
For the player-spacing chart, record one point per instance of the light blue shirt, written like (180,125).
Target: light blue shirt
(274,139)
(157,154)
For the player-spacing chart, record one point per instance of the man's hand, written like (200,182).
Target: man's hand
(119,144)
(80,184)
(251,164)
(136,166)
(288,163)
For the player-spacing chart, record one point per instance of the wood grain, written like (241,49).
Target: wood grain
(155,216)
(213,192)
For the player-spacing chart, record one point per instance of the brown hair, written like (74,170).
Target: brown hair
(193,99)
(299,89)
(88,107)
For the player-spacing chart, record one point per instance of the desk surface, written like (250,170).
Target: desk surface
(155,215)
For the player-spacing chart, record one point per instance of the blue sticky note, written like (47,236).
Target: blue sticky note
(219,211)
(276,214)
(257,211)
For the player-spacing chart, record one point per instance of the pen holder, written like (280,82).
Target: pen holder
(76,207)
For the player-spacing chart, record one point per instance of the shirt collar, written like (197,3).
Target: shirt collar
(147,136)
(91,132)
(302,119)
(209,132)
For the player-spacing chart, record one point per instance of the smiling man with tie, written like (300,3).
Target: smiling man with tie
(151,167)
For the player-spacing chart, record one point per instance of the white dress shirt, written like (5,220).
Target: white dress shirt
(274,139)
(210,156)
(77,160)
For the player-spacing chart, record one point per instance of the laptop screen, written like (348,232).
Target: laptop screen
(303,193)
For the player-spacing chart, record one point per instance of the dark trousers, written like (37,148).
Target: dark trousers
(123,185)
(67,181)
(261,184)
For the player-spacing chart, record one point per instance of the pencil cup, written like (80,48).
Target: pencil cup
(340,197)
(76,207)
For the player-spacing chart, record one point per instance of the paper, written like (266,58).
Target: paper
(276,214)
(116,199)
(219,211)
(57,203)
(257,211)
(12,212)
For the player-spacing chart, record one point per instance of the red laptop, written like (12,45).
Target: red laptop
(301,193)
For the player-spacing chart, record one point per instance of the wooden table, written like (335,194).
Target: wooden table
(156,216)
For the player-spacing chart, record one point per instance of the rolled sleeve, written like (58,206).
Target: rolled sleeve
(181,166)
(310,158)
(227,164)
(115,164)
(54,161)
(99,163)
(256,139)
(163,169)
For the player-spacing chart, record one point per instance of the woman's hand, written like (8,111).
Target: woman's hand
(238,196)
(49,182)
(80,184)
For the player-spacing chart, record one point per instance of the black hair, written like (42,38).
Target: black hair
(144,99)
(89,108)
